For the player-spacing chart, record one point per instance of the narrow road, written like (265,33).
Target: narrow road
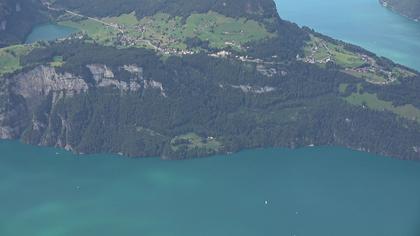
(49,7)
(114,26)
(95,19)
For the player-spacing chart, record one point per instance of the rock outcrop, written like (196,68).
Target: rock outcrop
(30,100)
(43,80)
(105,77)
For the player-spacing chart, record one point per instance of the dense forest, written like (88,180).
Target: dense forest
(261,9)
(17,18)
(202,97)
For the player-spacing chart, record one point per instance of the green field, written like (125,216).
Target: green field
(124,19)
(97,31)
(338,53)
(222,31)
(402,73)
(10,57)
(163,30)
(57,61)
(192,141)
(168,32)
(342,88)
(373,102)
(369,76)
(319,51)
(381,77)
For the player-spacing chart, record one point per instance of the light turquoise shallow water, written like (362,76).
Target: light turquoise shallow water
(49,32)
(362,22)
(314,192)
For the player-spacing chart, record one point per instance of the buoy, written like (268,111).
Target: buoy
(266,202)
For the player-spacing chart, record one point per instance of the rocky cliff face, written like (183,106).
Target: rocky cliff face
(33,102)
(22,94)
(104,77)
(44,80)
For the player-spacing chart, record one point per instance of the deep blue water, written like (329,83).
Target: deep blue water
(48,32)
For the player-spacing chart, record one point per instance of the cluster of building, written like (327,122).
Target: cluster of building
(311,58)
(127,40)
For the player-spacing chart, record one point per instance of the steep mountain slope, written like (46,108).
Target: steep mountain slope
(233,8)
(17,18)
(409,8)
(177,80)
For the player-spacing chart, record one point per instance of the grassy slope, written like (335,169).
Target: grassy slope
(340,55)
(219,29)
(192,141)
(318,50)
(373,102)
(162,29)
(10,57)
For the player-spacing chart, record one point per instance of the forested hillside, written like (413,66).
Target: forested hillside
(178,79)
(17,18)
(262,9)
(409,8)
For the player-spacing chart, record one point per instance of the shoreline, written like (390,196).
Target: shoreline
(225,154)
(386,5)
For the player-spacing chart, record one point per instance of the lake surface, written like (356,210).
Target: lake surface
(48,32)
(314,192)
(362,22)
(275,192)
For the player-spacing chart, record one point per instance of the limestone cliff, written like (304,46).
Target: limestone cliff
(33,102)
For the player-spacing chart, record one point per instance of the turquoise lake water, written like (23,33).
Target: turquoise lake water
(48,32)
(275,192)
(362,22)
(314,192)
